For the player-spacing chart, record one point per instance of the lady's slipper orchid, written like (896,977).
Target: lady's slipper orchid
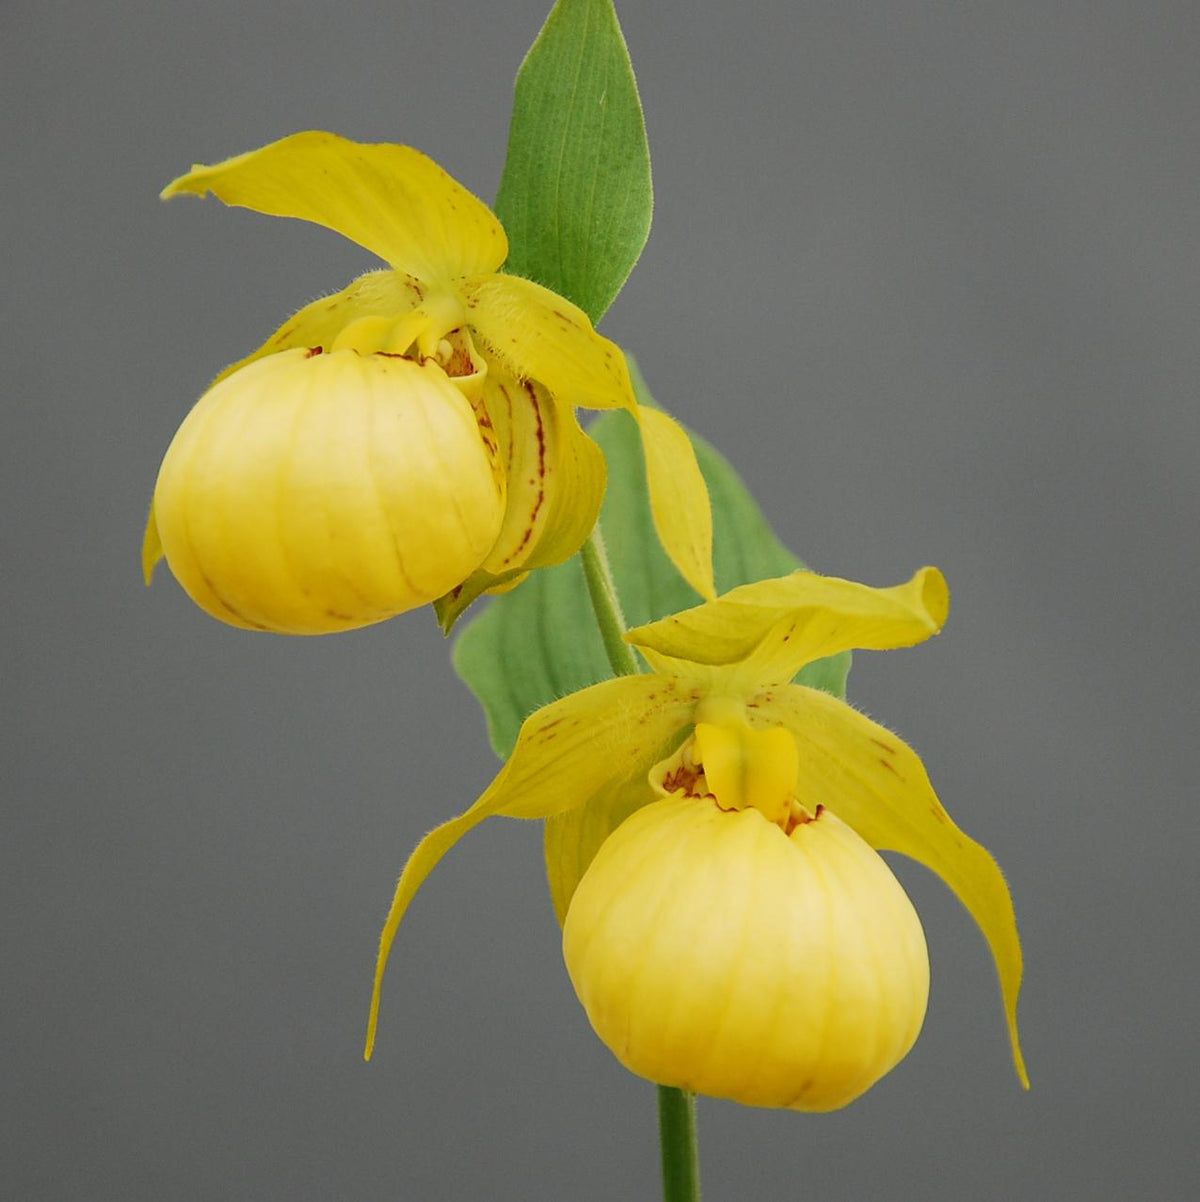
(410,439)
(737,934)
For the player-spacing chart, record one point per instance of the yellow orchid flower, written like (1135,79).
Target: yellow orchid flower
(411,438)
(712,849)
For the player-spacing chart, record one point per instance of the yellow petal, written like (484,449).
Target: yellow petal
(678,498)
(764,633)
(382,294)
(152,550)
(877,784)
(541,336)
(566,752)
(390,199)
(555,478)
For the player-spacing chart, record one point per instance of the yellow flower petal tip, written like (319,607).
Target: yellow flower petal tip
(935,596)
(152,550)
(184,185)
(717,952)
(310,493)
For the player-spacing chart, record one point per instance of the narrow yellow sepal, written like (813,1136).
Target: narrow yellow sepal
(565,753)
(877,784)
(392,200)
(767,631)
(541,336)
(152,550)
(678,498)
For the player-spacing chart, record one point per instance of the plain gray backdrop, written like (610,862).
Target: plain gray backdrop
(929,274)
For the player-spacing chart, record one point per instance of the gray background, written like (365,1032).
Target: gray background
(929,274)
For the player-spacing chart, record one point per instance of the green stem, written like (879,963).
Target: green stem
(677,1135)
(676,1109)
(606,606)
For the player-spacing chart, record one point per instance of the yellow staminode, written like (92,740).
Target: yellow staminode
(735,775)
(521,356)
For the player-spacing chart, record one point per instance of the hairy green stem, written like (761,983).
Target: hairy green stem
(606,605)
(676,1109)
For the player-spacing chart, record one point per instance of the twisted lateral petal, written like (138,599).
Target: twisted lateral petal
(309,494)
(542,336)
(384,294)
(390,199)
(678,498)
(566,752)
(769,630)
(877,784)
(555,477)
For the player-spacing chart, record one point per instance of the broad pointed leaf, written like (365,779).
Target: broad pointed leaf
(576,197)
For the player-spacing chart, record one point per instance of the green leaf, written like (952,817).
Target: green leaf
(540,641)
(575,198)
